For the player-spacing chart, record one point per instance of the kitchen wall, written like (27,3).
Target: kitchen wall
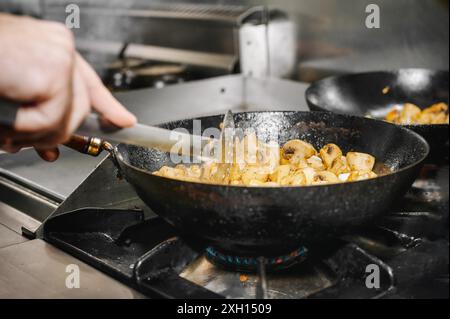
(332,33)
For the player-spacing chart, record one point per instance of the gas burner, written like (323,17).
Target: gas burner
(251,264)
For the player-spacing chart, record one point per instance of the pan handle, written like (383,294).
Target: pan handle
(92,146)
(86,145)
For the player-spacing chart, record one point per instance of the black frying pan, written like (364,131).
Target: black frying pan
(255,221)
(362,94)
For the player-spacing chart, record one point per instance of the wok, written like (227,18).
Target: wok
(362,94)
(258,221)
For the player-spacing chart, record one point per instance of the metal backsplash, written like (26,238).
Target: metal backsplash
(332,36)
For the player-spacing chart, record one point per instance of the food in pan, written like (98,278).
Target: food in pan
(296,163)
(412,114)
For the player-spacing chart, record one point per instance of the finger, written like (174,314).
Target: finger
(49,155)
(45,116)
(8,146)
(81,104)
(10,149)
(102,100)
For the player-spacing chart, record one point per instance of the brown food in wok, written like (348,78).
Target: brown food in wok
(297,163)
(412,114)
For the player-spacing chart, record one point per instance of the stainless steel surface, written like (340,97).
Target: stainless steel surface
(236,285)
(416,31)
(268,49)
(16,220)
(22,197)
(391,59)
(35,269)
(53,180)
(150,52)
(198,27)
(207,34)
(224,13)
(214,96)
(9,237)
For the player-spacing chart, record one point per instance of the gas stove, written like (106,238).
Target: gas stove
(405,255)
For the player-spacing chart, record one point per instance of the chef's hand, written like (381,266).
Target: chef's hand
(40,68)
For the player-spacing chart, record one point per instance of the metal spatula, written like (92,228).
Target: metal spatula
(140,135)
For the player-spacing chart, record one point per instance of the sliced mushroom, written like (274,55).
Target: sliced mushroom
(297,179)
(343,177)
(254,173)
(436,108)
(409,114)
(283,159)
(298,161)
(361,175)
(360,161)
(298,148)
(269,155)
(324,177)
(316,163)
(393,116)
(329,153)
(171,172)
(309,174)
(339,166)
(280,172)
(235,173)
(194,171)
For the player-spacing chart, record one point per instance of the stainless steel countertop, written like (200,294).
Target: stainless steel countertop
(35,269)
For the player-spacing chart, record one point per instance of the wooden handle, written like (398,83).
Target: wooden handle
(86,145)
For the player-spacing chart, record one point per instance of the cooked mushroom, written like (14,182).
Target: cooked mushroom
(324,177)
(360,161)
(309,174)
(297,179)
(329,153)
(296,164)
(254,173)
(412,114)
(436,108)
(298,148)
(316,163)
(298,161)
(339,166)
(409,114)
(280,173)
(361,175)
(392,116)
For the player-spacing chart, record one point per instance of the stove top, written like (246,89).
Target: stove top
(404,256)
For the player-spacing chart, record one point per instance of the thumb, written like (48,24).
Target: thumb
(101,99)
